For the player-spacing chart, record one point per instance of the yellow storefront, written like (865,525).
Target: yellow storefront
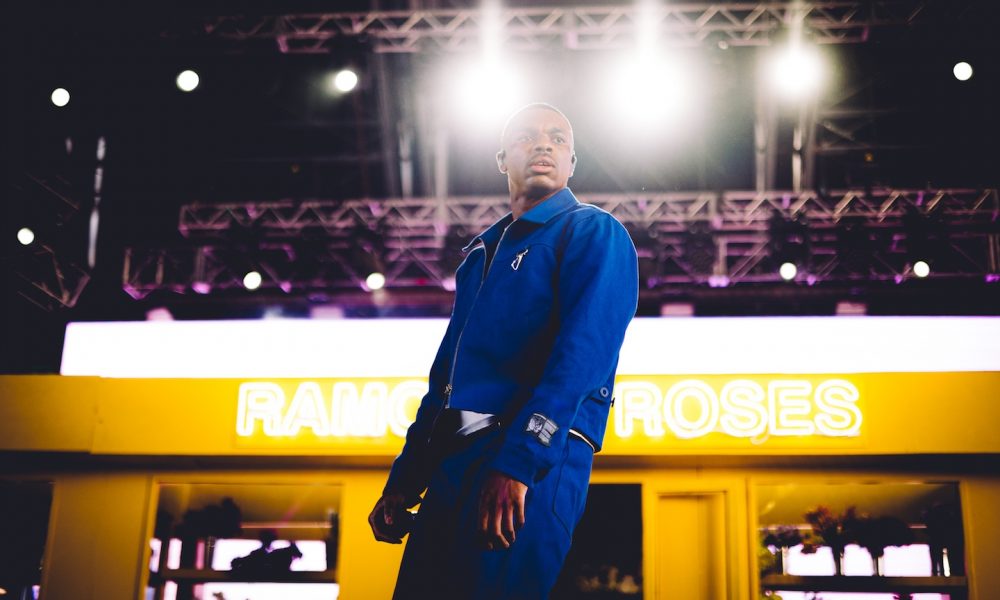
(714,457)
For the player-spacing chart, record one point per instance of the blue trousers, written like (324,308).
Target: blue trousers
(443,559)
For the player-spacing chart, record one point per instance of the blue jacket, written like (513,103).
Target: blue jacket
(541,308)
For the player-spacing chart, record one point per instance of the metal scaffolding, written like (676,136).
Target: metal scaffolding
(316,245)
(573,28)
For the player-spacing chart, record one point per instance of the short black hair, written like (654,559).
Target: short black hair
(527,107)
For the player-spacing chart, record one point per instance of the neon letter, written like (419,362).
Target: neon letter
(406,391)
(839,414)
(259,401)
(361,417)
(789,400)
(638,400)
(743,411)
(708,407)
(307,410)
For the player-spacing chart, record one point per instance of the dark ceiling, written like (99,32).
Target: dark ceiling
(261,127)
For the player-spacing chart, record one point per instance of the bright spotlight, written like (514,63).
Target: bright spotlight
(485,91)
(252,280)
(345,81)
(648,89)
(25,236)
(797,71)
(921,269)
(60,97)
(187,81)
(375,281)
(788,271)
(962,71)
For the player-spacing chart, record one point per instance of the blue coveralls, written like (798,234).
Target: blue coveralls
(541,308)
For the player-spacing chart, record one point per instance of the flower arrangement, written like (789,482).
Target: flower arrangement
(780,538)
(875,534)
(835,531)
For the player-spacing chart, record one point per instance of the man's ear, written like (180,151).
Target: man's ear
(500,162)
(572,162)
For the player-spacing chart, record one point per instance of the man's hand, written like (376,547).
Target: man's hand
(387,519)
(501,510)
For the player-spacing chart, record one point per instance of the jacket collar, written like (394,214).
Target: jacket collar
(540,214)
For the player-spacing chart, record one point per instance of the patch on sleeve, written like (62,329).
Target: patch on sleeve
(542,428)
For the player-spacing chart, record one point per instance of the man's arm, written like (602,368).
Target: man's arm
(411,469)
(598,287)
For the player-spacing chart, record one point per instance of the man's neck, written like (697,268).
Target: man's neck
(522,203)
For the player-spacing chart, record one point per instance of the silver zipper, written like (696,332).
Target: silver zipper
(448,389)
(517,259)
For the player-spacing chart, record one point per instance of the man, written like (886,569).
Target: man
(520,388)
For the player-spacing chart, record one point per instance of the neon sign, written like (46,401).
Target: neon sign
(371,411)
(742,408)
(685,409)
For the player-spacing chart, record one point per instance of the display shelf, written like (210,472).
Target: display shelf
(849,583)
(212,576)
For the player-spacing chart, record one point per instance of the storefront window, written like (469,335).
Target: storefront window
(231,540)
(24,525)
(863,540)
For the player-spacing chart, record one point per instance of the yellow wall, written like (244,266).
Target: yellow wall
(135,434)
(904,413)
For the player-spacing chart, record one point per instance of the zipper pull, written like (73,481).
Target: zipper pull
(517,259)
(447,392)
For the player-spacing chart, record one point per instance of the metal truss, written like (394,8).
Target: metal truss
(48,281)
(50,273)
(853,236)
(574,28)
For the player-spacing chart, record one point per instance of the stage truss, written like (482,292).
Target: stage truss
(573,27)
(683,239)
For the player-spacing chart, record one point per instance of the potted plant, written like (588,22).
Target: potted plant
(875,534)
(781,538)
(831,530)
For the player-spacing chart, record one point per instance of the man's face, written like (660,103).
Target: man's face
(537,152)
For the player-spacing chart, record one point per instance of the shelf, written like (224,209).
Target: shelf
(849,583)
(211,576)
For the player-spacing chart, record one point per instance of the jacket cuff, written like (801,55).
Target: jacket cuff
(516,462)
(401,481)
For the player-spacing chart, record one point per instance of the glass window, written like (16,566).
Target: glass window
(850,540)
(232,540)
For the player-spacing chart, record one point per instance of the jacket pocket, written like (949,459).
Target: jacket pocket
(592,417)
(570,497)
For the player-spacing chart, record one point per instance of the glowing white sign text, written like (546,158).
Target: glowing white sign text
(742,408)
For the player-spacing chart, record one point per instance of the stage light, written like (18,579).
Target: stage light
(921,269)
(962,71)
(788,271)
(252,280)
(649,89)
(25,236)
(160,313)
(187,81)
(797,71)
(345,81)
(375,281)
(60,97)
(485,91)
